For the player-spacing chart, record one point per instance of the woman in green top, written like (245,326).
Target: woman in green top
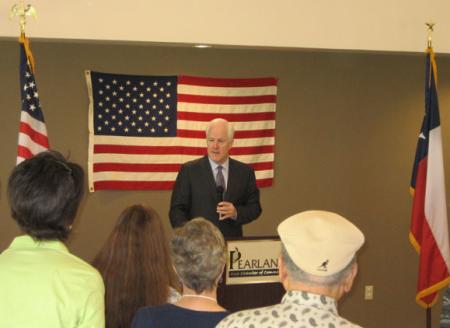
(41,283)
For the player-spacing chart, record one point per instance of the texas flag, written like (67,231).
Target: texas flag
(429,227)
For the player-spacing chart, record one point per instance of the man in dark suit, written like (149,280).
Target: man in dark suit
(216,187)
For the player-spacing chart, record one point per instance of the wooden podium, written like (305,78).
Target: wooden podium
(243,295)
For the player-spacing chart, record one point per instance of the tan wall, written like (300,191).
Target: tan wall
(382,25)
(347,125)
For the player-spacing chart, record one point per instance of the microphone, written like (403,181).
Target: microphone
(220,190)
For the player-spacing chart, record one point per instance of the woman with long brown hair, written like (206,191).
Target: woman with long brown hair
(135,265)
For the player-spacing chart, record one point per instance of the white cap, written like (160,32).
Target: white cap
(320,243)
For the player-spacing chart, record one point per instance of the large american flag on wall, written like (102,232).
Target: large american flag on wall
(142,128)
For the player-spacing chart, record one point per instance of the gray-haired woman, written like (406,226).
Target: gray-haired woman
(198,254)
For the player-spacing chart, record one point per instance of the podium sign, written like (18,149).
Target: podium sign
(252,261)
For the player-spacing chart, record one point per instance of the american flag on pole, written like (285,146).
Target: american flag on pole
(142,128)
(32,131)
(429,227)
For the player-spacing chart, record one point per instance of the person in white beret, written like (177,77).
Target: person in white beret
(317,266)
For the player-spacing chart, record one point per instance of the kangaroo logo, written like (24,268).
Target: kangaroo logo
(324,266)
(234,257)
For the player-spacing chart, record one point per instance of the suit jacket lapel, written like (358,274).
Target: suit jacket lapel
(208,177)
(233,180)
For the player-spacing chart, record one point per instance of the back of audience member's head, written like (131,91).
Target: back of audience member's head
(135,265)
(198,254)
(318,248)
(44,194)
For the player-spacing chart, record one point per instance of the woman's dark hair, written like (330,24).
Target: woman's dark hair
(135,265)
(44,194)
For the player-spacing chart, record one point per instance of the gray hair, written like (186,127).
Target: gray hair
(229,126)
(198,254)
(298,274)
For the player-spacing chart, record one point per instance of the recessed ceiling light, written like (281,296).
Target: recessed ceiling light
(202,46)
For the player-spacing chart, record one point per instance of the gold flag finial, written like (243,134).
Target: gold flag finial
(430,29)
(22,11)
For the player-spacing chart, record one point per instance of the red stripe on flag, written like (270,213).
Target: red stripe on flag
(252,150)
(148,150)
(133,185)
(262,166)
(254,134)
(174,150)
(124,167)
(241,134)
(24,152)
(191,134)
(245,100)
(34,135)
(264,182)
(217,82)
(244,117)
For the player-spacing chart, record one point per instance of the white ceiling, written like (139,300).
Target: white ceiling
(380,25)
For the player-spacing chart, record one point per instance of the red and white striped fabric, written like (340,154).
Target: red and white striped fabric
(32,131)
(32,137)
(130,162)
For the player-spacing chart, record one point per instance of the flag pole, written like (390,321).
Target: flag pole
(430,29)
